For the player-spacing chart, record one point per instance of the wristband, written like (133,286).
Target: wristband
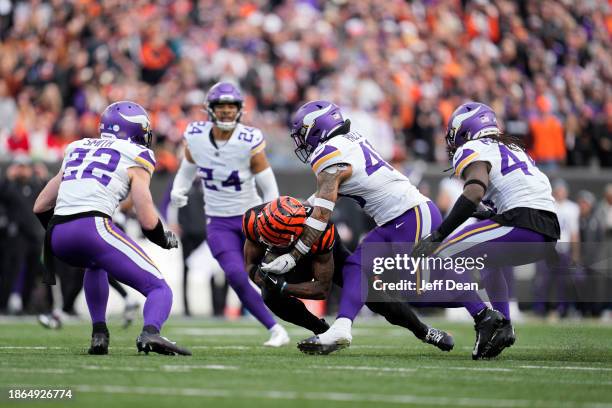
(474,181)
(156,235)
(321,202)
(301,247)
(316,224)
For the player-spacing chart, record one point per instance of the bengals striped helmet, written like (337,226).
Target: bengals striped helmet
(281,222)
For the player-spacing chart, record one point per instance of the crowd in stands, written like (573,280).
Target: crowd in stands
(397,67)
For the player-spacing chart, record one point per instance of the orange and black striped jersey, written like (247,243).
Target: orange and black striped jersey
(323,245)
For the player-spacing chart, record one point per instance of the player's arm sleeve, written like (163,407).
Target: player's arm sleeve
(184,177)
(266,181)
(464,157)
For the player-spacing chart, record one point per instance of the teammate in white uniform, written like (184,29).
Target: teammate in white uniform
(76,208)
(346,165)
(230,159)
(495,168)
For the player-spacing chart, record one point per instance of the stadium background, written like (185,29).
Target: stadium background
(398,69)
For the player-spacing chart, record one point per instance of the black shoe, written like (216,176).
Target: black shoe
(503,338)
(313,345)
(322,328)
(440,339)
(488,322)
(99,344)
(154,342)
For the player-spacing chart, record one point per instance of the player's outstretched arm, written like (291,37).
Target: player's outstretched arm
(328,182)
(183,180)
(264,176)
(146,213)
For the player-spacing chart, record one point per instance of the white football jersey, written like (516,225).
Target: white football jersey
(383,192)
(514,180)
(225,169)
(95,174)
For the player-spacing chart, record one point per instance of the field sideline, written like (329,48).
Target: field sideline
(561,365)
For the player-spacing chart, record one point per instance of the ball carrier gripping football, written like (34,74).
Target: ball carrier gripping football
(273,229)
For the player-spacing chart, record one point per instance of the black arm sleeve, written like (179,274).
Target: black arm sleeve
(462,210)
(156,235)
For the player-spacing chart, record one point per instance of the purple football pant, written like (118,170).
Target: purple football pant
(485,237)
(226,242)
(409,227)
(98,245)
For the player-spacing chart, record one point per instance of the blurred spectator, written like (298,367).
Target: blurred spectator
(547,146)
(407,64)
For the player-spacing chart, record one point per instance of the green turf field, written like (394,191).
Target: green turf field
(564,365)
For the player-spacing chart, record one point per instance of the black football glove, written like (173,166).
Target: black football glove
(427,245)
(172,240)
(274,283)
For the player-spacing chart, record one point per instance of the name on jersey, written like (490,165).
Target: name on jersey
(98,142)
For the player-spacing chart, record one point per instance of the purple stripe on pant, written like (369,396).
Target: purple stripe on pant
(420,220)
(226,242)
(96,244)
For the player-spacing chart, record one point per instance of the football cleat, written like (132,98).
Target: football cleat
(503,338)
(148,342)
(440,339)
(313,345)
(129,313)
(50,321)
(488,322)
(99,344)
(278,337)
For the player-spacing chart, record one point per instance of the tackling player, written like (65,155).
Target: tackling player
(76,207)
(495,168)
(275,227)
(229,157)
(347,165)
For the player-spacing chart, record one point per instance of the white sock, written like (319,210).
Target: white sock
(342,324)
(275,328)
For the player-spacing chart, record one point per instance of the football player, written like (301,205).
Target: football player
(229,157)
(76,207)
(345,164)
(275,228)
(495,168)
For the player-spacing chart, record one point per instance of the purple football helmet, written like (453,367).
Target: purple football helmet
(314,123)
(220,93)
(126,120)
(470,121)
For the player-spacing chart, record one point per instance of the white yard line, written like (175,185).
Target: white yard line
(36,370)
(331,396)
(364,368)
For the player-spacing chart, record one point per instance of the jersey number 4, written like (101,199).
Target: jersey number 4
(373,161)
(207,179)
(73,170)
(510,162)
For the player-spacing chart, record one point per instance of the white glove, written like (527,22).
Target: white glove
(280,265)
(178,199)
